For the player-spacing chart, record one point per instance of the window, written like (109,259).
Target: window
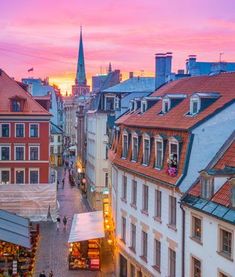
(132,271)
(34,153)
(207,187)
(106,179)
(134,193)
(109,103)
(196,267)
(52,138)
(172,203)
(144,245)
(124,229)
(19,130)
(159,154)
(174,152)
(196,228)
(5,130)
(157,245)
(5,176)
(133,237)
(172,263)
(165,105)
(158,204)
(16,105)
(34,130)
(226,243)
(19,177)
(33,176)
(52,150)
(143,107)
(5,153)
(146,154)
(124,187)
(134,149)
(125,146)
(195,106)
(59,138)
(106,151)
(145,198)
(19,153)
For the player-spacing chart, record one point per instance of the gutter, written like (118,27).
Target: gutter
(183,241)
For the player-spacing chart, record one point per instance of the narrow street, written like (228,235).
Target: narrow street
(52,253)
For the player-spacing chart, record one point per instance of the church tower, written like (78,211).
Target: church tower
(80,87)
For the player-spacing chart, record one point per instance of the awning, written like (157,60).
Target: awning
(14,229)
(87,226)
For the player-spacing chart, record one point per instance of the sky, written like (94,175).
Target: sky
(44,34)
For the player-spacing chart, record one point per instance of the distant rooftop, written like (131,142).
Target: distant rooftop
(135,84)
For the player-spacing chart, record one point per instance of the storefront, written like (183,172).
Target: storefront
(18,244)
(84,241)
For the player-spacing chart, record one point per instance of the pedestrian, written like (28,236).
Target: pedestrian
(57,223)
(51,274)
(42,274)
(58,184)
(62,183)
(65,222)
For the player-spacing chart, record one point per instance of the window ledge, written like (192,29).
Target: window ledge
(132,249)
(226,256)
(197,240)
(134,161)
(173,227)
(145,212)
(123,200)
(124,158)
(158,219)
(157,268)
(133,206)
(144,258)
(145,164)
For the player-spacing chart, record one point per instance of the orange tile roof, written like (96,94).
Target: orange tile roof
(228,158)
(9,89)
(223,83)
(223,195)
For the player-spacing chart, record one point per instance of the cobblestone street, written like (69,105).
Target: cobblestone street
(52,252)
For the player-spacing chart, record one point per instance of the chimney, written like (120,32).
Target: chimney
(131,75)
(190,64)
(163,63)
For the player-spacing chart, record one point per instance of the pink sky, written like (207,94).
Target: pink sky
(44,34)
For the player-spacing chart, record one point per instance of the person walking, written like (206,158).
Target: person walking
(42,274)
(65,222)
(62,183)
(51,274)
(57,223)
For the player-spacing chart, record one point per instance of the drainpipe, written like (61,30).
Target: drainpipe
(183,239)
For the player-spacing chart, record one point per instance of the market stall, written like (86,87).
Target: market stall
(18,243)
(84,241)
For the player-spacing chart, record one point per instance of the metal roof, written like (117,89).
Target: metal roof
(14,229)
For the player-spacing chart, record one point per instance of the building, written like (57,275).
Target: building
(56,146)
(24,136)
(196,68)
(159,146)
(209,207)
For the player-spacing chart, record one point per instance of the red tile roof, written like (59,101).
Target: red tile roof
(228,158)
(223,195)
(223,83)
(9,89)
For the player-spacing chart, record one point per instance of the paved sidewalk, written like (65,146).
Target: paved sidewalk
(52,252)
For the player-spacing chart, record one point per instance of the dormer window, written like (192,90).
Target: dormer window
(165,105)
(143,106)
(17,103)
(173,159)
(124,145)
(194,105)
(207,183)
(16,107)
(158,152)
(135,148)
(117,103)
(131,106)
(146,150)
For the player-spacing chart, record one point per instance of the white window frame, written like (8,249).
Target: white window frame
(207,184)
(124,155)
(143,106)
(19,169)
(135,136)
(166,100)
(38,129)
(220,229)
(35,146)
(192,265)
(193,100)
(5,123)
(145,201)
(5,169)
(34,169)
(20,123)
(193,217)
(158,139)
(146,137)
(5,145)
(15,152)
(174,141)
(134,193)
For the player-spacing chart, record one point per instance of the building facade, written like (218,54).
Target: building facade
(56,146)
(158,148)
(24,136)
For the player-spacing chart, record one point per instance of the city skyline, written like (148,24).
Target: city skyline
(45,36)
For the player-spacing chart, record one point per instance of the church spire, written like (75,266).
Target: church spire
(81,73)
